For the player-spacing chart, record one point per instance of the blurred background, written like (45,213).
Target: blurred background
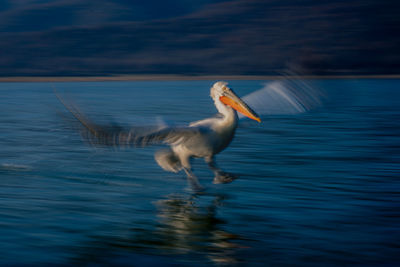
(319,188)
(263,37)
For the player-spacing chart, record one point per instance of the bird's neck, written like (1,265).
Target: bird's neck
(225,126)
(230,116)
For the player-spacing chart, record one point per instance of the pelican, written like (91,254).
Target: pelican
(200,139)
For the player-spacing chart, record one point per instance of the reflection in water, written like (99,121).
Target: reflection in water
(185,224)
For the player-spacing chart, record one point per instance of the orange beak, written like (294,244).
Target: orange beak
(232,100)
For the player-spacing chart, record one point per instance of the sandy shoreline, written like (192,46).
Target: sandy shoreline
(181,78)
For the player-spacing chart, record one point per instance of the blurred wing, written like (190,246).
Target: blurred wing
(287,96)
(115,135)
(138,136)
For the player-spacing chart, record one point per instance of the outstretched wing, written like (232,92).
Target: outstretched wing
(286,96)
(115,135)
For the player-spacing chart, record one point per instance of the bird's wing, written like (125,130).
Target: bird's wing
(169,135)
(285,96)
(115,135)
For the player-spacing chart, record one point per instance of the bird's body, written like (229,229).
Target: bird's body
(217,133)
(212,136)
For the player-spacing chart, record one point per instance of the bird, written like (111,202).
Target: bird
(204,138)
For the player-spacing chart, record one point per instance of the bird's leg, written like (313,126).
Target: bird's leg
(221,177)
(192,179)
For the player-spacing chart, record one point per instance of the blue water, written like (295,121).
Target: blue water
(315,189)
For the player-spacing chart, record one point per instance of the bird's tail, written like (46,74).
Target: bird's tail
(168,160)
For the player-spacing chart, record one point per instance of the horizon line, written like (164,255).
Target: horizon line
(172,77)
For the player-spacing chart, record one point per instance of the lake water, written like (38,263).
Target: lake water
(315,189)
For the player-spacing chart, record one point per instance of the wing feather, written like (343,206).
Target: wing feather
(286,96)
(139,136)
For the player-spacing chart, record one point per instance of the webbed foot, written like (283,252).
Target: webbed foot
(224,178)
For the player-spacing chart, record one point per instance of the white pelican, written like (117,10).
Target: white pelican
(204,138)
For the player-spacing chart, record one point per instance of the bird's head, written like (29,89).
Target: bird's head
(222,93)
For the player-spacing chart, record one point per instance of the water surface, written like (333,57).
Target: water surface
(315,189)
